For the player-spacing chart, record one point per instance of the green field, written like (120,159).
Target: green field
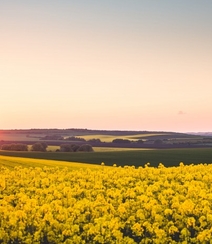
(169,157)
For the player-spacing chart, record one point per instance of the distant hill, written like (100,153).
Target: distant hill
(200,133)
(108,138)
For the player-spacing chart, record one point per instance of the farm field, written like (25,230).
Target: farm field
(117,149)
(12,162)
(169,157)
(106,205)
(98,149)
(110,138)
(16,137)
(104,136)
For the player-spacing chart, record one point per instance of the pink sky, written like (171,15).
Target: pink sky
(132,66)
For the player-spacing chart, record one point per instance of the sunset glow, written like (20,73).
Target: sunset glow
(141,65)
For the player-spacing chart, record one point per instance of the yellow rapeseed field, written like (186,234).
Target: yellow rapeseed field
(106,205)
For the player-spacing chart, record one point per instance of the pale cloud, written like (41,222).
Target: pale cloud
(181,112)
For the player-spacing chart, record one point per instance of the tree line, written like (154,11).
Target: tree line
(42,147)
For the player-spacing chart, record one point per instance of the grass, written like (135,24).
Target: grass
(169,157)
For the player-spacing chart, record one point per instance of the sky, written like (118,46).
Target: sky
(111,65)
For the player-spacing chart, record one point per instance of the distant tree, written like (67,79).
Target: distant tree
(121,141)
(94,140)
(73,138)
(52,137)
(6,147)
(39,147)
(44,144)
(21,147)
(66,148)
(158,142)
(75,147)
(69,147)
(85,148)
(15,147)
